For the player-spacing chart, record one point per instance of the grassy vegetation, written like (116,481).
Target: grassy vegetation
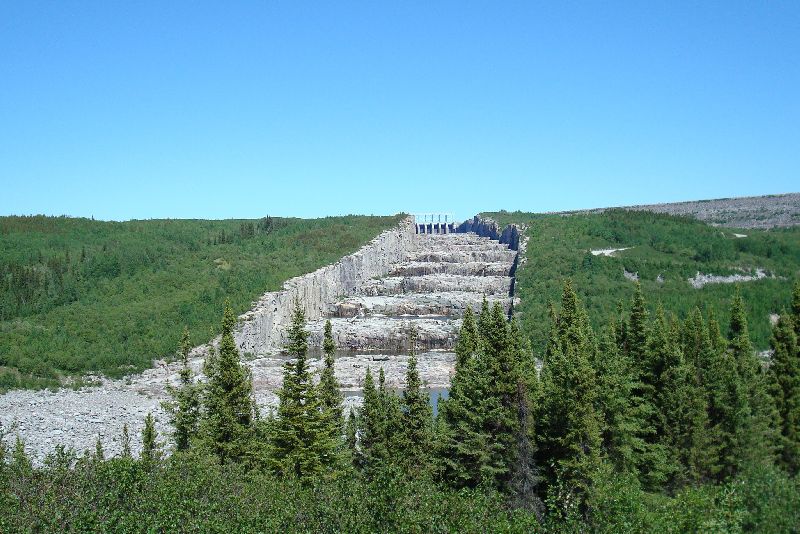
(78,295)
(675,248)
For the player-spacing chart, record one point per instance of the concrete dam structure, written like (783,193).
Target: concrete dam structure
(405,277)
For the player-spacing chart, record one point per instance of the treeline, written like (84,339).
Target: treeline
(651,424)
(81,296)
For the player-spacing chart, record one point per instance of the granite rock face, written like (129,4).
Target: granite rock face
(259,329)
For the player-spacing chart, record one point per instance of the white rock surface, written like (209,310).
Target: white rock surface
(701,279)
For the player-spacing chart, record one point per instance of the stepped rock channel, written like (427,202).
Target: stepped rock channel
(373,297)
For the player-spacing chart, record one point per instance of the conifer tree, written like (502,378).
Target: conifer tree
(637,335)
(150,445)
(525,476)
(759,436)
(570,424)
(372,448)
(302,443)
(20,461)
(228,401)
(784,378)
(727,397)
(467,343)
(126,442)
(684,431)
(616,383)
(499,409)
(417,437)
(184,407)
(99,453)
(391,415)
(464,451)
(330,395)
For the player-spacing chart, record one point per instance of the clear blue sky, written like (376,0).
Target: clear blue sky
(191,109)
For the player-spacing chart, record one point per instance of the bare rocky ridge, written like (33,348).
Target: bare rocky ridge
(768,211)
(372,297)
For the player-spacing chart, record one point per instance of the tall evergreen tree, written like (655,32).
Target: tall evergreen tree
(464,451)
(228,398)
(468,337)
(727,398)
(637,331)
(417,432)
(184,407)
(570,424)
(330,395)
(759,437)
(372,447)
(302,443)
(150,445)
(784,378)
(684,430)
(525,476)
(616,383)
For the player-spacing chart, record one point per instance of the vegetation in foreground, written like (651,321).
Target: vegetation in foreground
(666,246)
(650,423)
(78,295)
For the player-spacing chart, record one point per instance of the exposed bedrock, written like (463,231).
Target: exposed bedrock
(473,268)
(466,256)
(446,303)
(259,329)
(388,333)
(432,283)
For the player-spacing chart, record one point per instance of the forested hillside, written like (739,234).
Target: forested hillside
(664,251)
(80,295)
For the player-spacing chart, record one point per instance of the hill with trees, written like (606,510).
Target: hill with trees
(663,251)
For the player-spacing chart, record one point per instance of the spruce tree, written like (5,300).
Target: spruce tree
(684,430)
(126,442)
(616,383)
(228,400)
(467,342)
(99,453)
(464,451)
(302,443)
(330,395)
(372,447)
(759,437)
(391,416)
(525,476)
(417,437)
(637,331)
(784,378)
(727,398)
(184,407)
(570,423)
(150,445)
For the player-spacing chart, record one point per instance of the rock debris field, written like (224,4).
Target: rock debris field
(429,290)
